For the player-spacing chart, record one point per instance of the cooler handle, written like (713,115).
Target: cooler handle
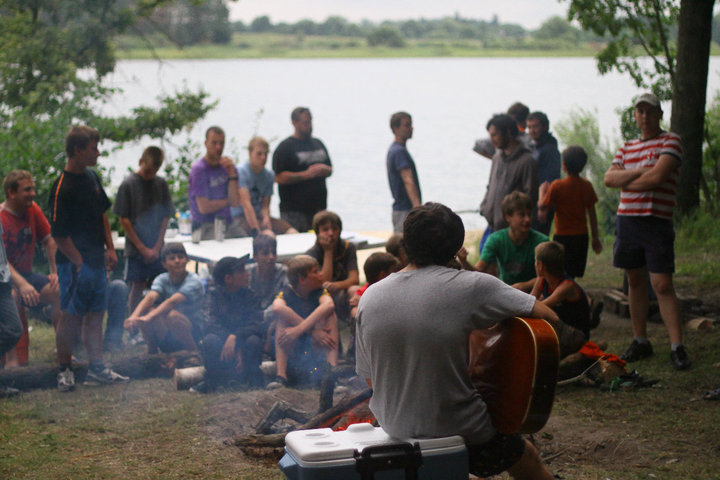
(389,457)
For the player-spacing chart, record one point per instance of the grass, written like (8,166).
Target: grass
(147,429)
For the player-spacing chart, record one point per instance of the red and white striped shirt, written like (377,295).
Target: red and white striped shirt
(638,153)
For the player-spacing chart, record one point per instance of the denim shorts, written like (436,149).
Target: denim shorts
(38,282)
(644,241)
(82,291)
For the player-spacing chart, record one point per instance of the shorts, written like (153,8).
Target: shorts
(576,250)
(84,291)
(644,241)
(277,225)
(301,221)
(37,281)
(137,270)
(495,456)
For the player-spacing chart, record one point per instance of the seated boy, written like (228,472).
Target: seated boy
(232,346)
(558,291)
(394,246)
(377,266)
(267,279)
(513,248)
(307,331)
(170,315)
(574,201)
(337,259)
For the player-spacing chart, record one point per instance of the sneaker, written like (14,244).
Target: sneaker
(66,380)
(277,382)
(104,377)
(679,358)
(637,351)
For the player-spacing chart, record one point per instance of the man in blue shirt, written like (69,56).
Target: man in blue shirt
(402,174)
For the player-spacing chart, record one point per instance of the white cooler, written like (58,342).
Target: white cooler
(364,452)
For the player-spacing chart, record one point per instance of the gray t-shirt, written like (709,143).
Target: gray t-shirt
(412,338)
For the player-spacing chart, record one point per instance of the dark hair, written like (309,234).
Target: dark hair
(297,113)
(519,112)
(326,216)
(154,155)
(228,266)
(542,118)
(298,268)
(377,263)
(176,248)
(574,158)
(214,129)
(505,124)
(12,181)
(264,241)
(514,202)
(80,136)
(397,118)
(432,234)
(552,256)
(394,245)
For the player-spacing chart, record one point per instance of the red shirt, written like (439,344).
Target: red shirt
(571,197)
(21,234)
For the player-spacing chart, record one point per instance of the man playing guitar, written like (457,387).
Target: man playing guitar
(413,329)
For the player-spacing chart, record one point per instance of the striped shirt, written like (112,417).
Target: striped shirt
(638,153)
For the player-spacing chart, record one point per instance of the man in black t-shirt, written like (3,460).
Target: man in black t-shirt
(301,164)
(81,230)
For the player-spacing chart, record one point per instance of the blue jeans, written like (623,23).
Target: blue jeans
(218,372)
(10,326)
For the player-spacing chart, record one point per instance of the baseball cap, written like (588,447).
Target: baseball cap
(228,266)
(647,98)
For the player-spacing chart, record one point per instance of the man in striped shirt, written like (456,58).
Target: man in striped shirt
(647,171)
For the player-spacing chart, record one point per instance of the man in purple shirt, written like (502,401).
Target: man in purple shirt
(213,188)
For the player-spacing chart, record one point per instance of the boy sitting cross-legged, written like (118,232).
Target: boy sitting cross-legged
(170,315)
(306,335)
(559,291)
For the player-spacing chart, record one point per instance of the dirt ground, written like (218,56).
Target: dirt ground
(577,442)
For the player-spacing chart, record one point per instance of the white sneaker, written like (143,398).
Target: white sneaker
(66,381)
(104,377)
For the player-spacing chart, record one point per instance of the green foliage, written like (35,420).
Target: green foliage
(710,180)
(177,171)
(386,35)
(636,27)
(190,22)
(581,128)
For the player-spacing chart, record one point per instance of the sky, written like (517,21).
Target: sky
(528,13)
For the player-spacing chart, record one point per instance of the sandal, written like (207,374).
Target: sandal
(712,395)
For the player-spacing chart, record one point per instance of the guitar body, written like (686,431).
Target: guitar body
(514,366)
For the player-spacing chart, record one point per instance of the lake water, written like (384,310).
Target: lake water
(352,100)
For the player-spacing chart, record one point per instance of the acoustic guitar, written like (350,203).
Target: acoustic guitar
(514,366)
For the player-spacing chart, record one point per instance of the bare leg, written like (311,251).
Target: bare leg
(180,327)
(282,353)
(329,326)
(67,332)
(51,296)
(136,293)
(638,299)
(530,466)
(662,284)
(92,329)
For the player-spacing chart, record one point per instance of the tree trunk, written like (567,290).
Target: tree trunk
(689,95)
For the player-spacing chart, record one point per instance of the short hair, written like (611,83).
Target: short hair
(515,201)
(552,256)
(214,129)
(298,268)
(228,266)
(172,248)
(298,112)
(154,155)
(257,141)
(504,123)
(79,136)
(326,216)
(519,112)
(574,157)
(394,245)
(432,234)
(377,263)
(396,119)
(12,180)
(540,117)
(264,241)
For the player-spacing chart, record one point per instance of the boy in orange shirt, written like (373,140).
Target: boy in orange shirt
(574,199)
